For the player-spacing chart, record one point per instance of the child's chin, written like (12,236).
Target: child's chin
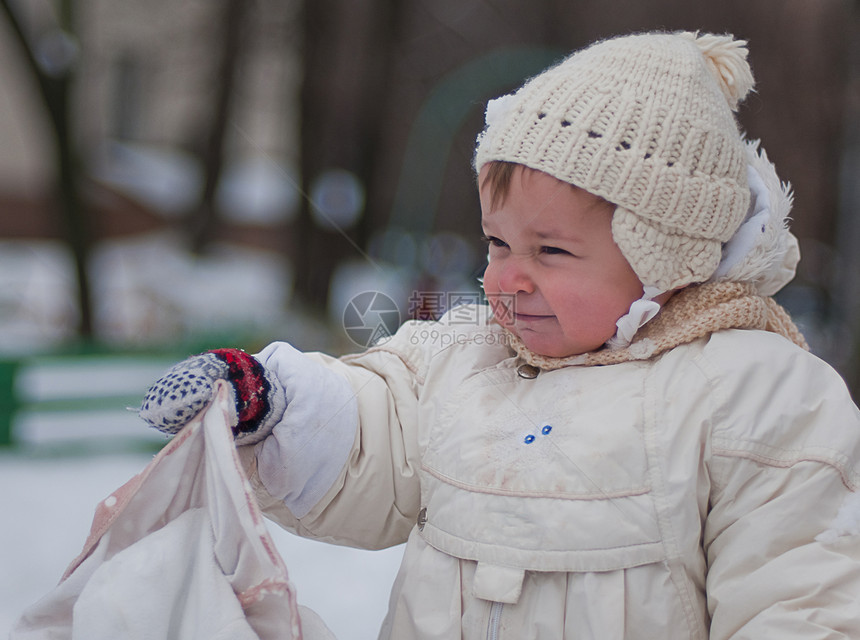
(550,349)
(540,347)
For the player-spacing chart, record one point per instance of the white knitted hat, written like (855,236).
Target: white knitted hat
(644,121)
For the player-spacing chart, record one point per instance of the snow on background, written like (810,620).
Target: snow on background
(147,290)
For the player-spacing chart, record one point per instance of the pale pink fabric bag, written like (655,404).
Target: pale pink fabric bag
(179,551)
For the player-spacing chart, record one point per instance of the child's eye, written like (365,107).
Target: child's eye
(554,251)
(493,241)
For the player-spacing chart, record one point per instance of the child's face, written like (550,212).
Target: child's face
(555,277)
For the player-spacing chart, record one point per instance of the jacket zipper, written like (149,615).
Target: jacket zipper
(495,620)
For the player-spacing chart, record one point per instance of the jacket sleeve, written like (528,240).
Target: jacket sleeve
(782,534)
(342,464)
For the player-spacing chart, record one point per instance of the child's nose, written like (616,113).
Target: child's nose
(515,277)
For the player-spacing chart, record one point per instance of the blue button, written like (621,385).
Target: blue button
(529,439)
(546,430)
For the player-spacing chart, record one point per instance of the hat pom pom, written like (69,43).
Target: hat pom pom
(727,61)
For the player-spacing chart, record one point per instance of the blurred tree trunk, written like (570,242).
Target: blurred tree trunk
(51,57)
(230,43)
(847,292)
(346,54)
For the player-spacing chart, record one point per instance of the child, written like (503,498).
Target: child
(633,441)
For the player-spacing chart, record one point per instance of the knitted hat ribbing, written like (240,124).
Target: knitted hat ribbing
(644,121)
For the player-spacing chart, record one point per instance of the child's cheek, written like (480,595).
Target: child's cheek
(491,290)
(490,281)
(499,302)
(501,311)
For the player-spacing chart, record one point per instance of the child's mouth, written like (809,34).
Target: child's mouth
(507,315)
(528,317)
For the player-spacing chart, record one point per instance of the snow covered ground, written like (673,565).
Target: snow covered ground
(68,461)
(47,505)
(147,290)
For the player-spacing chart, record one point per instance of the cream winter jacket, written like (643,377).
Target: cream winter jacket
(695,494)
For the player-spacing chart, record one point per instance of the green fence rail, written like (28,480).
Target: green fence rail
(8,400)
(77,402)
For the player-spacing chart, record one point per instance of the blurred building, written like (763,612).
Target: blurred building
(146,77)
(152,109)
(338,134)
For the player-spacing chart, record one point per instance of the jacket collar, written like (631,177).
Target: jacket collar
(692,313)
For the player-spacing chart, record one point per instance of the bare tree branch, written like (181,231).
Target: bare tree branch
(54,81)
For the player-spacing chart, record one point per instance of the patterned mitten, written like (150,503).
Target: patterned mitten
(186,388)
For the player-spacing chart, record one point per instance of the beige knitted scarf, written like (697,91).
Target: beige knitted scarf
(694,312)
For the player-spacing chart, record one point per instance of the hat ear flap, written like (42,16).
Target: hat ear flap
(661,257)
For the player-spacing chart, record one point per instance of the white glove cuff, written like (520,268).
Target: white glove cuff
(309,446)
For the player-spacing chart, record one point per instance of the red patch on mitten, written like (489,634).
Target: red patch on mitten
(252,388)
